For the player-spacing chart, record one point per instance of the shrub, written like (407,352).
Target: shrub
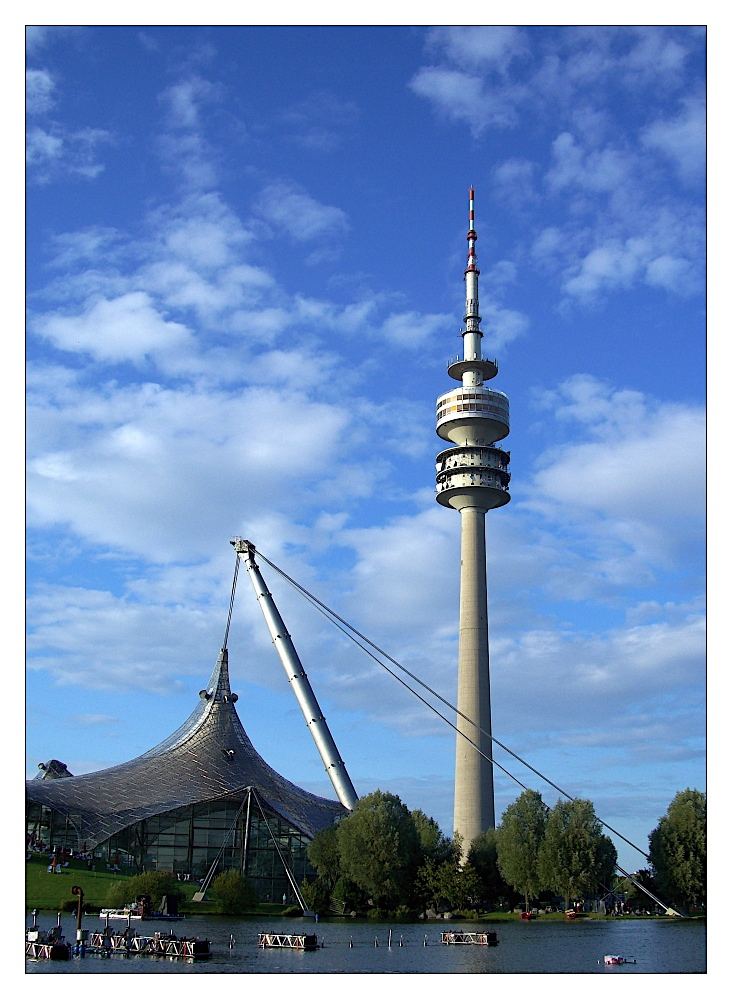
(316,895)
(154,884)
(234,892)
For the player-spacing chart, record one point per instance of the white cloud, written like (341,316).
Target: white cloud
(320,122)
(514,180)
(413,329)
(36,37)
(548,244)
(628,665)
(652,259)
(39,36)
(656,54)
(674,274)
(185,100)
(636,482)
(39,87)
(128,328)
(93,719)
(632,56)
(158,472)
(200,230)
(682,139)
(188,156)
(148,42)
(94,639)
(288,209)
(84,246)
(57,152)
(42,146)
(595,170)
(500,325)
(295,366)
(484,46)
(463,97)
(618,264)
(402,592)
(634,235)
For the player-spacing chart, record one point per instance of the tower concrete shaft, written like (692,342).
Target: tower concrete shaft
(473,478)
(474,808)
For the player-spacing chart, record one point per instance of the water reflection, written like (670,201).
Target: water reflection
(348,947)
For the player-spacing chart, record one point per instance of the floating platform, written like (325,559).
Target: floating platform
(55,951)
(101,942)
(300,942)
(469,937)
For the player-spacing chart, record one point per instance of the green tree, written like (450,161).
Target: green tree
(434,845)
(349,893)
(518,841)
(324,856)
(448,885)
(483,856)
(575,856)
(379,848)
(634,897)
(234,892)
(678,849)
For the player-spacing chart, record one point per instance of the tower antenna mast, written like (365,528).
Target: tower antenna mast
(473,477)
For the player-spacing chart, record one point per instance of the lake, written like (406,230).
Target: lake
(659,946)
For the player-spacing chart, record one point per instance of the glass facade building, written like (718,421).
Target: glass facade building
(203,792)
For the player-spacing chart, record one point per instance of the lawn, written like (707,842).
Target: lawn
(44,891)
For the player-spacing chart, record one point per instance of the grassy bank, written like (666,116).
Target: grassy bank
(44,891)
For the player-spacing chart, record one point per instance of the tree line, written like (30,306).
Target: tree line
(385,859)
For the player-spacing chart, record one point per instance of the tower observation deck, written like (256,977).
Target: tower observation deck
(473,477)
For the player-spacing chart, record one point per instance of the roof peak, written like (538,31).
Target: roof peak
(219,685)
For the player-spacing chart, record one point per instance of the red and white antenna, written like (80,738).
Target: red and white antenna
(472,235)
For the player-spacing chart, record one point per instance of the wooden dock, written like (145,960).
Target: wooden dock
(300,942)
(469,937)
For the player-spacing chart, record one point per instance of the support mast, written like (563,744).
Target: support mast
(334,766)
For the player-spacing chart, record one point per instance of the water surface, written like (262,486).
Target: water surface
(659,946)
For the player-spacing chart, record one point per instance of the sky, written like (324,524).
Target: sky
(244,275)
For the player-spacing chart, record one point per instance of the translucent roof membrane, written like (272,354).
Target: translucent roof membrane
(209,757)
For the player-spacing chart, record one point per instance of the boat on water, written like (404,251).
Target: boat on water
(133,913)
(142,909)
(123,913)
(617,960)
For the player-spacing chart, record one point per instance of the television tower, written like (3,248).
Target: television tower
(473,477)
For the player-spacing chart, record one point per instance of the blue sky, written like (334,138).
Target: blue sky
(245,253)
